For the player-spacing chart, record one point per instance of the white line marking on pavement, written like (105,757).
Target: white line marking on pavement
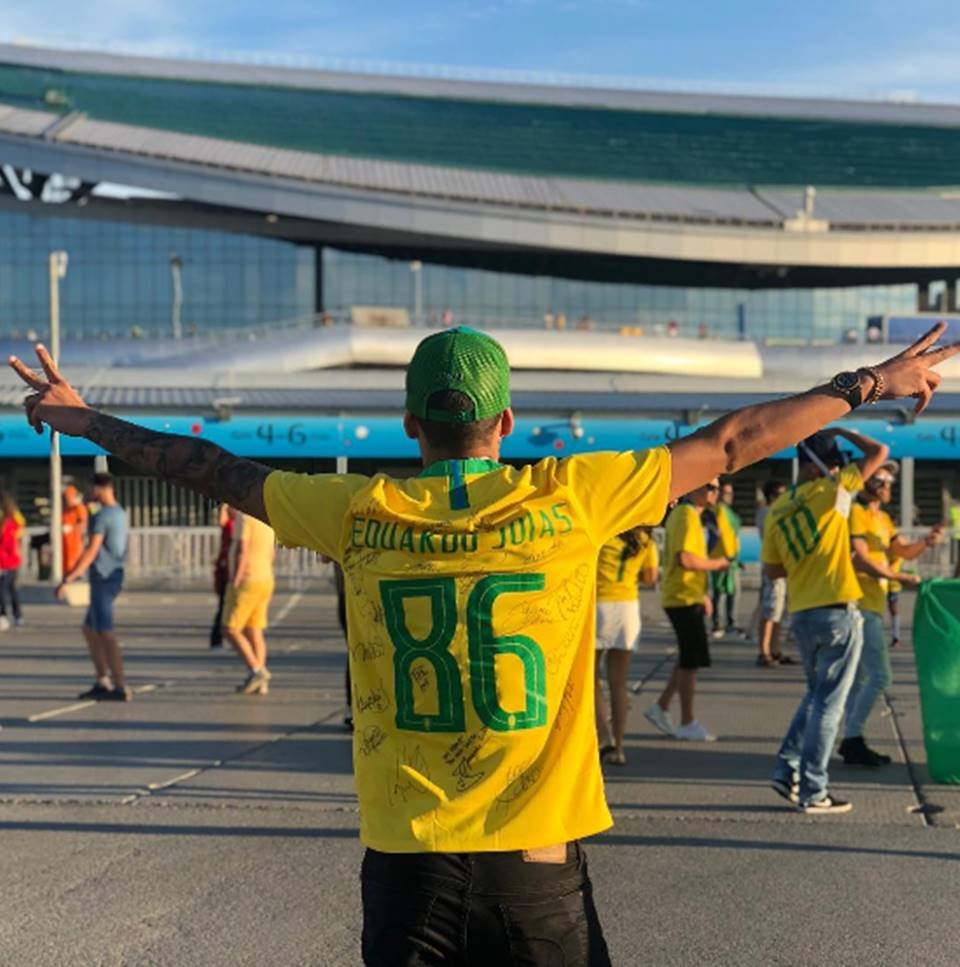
(289,606)
(54,712)
(189,774)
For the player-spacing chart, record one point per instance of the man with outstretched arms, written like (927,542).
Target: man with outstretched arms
(875,545)
(471,623)
(807,540)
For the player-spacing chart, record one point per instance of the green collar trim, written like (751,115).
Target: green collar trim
(446,468)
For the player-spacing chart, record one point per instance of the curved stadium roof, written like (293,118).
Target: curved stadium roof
(472,169)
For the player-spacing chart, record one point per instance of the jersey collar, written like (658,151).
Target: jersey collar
(444,468)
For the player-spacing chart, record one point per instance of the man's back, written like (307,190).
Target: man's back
(807,532)
(111,522)
(470,602)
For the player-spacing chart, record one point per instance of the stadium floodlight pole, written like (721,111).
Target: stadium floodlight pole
(416,267)
(176,268)
(58,269)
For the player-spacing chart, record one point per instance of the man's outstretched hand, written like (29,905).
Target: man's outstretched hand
(910,373)
(53,400)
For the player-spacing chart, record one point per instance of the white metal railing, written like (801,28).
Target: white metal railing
(181,557)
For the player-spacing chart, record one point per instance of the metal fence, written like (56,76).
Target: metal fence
(183,557)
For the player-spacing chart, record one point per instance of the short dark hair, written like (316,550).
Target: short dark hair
(451,437)
(771,487)
(102,480)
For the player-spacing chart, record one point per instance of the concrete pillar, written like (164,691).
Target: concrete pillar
(318,294)
(907,491)
(951,296)
(923,297)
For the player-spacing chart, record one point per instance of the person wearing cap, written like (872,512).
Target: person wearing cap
(875,544)
(807,540)
(471,604)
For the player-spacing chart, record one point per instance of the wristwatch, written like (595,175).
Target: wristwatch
(847,385)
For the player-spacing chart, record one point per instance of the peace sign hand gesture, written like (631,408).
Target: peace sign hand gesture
(53,400)
(910,373)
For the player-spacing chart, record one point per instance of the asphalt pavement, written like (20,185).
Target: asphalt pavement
(194,826)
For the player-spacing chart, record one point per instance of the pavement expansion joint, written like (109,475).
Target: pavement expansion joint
(922,807)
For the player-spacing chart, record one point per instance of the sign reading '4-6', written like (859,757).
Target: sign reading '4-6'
(382,437)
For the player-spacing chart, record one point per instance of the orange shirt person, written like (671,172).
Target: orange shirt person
(75,516)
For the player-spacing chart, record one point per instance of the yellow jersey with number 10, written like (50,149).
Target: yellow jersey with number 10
(807,531)
(471,609)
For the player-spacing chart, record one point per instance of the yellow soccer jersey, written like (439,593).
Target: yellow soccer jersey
(807,531)
(896,564)
(619,571)
(878,530)
(471,609)
(684,532)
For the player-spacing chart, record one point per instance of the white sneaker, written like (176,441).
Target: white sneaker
(4,622)
(693,732)
(659,719)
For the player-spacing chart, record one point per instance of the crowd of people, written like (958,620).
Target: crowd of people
(94,539)
(470,611)
(832,551)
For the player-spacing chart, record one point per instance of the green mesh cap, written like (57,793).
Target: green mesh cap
(464,360)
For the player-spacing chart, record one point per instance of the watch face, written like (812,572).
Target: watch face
(845,381)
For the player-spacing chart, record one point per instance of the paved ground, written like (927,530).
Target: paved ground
(195,827)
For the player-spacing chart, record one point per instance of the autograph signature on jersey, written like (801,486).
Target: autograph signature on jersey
(521,778)
(371,739)
(461,757)
(410,764)
(374,701)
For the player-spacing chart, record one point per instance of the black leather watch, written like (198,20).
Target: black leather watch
(847,385)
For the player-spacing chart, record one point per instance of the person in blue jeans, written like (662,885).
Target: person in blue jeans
(103,556)
(807,541)
(876,544)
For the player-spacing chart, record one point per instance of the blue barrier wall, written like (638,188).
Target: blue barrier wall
(383,437)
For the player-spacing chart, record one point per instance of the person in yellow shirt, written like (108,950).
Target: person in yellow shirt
(245,608)
(893,599)
(876,544)
(686,600)
(471,602)
(625,562)
(807,540)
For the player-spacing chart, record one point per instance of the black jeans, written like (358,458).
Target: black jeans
(216,629)
(479,910)
(8,592)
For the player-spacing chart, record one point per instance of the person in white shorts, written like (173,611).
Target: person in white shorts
(773,592)
(625,561)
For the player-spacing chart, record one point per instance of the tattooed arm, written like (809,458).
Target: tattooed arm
(195,464)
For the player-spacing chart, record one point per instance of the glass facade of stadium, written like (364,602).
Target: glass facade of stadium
(120,282)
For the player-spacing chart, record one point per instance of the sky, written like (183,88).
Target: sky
(866,49)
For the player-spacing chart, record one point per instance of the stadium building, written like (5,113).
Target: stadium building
(254,250)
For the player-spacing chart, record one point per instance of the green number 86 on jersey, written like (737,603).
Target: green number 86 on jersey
(483,646)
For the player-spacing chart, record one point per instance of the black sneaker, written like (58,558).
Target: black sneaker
(98,691)
(786,790)
(121,694)
(856,752)
(826,806)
